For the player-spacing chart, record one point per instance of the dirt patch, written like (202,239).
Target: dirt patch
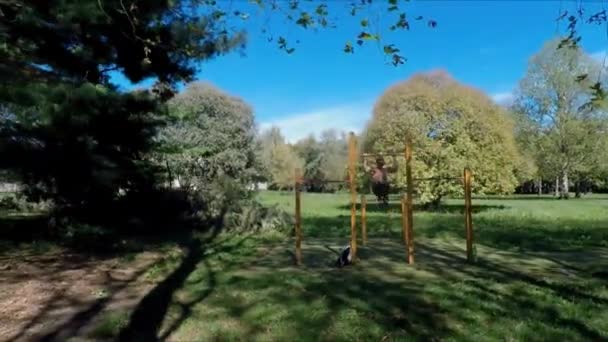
(62,295)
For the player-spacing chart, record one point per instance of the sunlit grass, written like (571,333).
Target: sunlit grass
(532,281)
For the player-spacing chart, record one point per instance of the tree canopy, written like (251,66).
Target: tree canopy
(66,129)
(209,145)
(565,132)
(451,126)
(278,159)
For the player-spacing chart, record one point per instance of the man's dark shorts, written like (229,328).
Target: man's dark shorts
(381,190)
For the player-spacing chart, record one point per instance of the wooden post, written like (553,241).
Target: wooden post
(363,219)
(468,214)
(409,202)
(352,160)
(404,220)
(298,219)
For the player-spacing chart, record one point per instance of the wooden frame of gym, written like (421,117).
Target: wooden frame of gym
(406,204)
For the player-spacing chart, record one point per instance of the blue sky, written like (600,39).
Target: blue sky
(485,44)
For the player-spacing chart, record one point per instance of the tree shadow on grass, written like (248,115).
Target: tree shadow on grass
(544,197)
(522,233)
(378,297)
(326,305)
(523,298)
(375,207)
(452,268)
(165,228)
(150,312)
(383,298)
(59,295)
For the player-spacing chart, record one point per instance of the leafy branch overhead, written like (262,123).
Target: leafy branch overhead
(573,39)
(315,15)
(166,40)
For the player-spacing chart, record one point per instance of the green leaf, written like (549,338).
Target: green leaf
(217,14)
(282,42)
(368,36)
(348,48)
(322,10)
(402,22)
(398,59)
(390,49)
(305,20)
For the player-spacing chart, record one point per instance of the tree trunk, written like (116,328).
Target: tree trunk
(170,174)
(540,186)
(434,204)
(556,194)
(565,186)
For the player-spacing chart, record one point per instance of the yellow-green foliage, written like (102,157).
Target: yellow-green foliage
(452,126)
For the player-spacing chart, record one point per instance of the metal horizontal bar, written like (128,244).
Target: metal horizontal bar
(437,178)
(390,154)
(304,180)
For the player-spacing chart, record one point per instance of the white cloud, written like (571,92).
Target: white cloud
(344,118)
(503,98)
(601,57)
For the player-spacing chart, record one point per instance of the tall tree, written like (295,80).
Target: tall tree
(284,162)
(334,147)
(210,146)
(62,132)
(279,159)
(325,159)
(452,126)
(309,151)
(70,134)
(554,96)
(267,140)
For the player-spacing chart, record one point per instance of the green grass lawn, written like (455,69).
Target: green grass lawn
(536,278)
(517,222)
(533,279)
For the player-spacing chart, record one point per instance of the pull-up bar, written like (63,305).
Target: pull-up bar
(316,181)
(388,154)
(436,178)
(406,202)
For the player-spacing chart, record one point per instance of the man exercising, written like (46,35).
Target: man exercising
(379,175)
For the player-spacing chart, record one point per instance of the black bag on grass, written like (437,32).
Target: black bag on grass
(345,257)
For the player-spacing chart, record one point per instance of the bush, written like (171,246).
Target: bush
(254,217)
(9,203)
(19,202)
(209,149)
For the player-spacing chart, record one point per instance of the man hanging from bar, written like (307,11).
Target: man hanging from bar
(379,178)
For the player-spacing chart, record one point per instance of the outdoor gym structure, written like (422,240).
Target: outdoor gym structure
(407,205)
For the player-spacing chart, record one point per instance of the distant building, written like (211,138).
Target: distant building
(10,187)
(258,186)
